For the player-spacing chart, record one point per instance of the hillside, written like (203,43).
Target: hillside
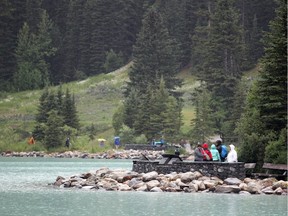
(96,97)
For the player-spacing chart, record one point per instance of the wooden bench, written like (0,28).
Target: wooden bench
(169,158)
(249,168)
(275,167)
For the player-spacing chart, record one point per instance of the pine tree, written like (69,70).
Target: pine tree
(9,25)
(264,120)
(54,136)
(219,48)
(154,56)
(69,111)
(273,82)
(32,53)
(202,124)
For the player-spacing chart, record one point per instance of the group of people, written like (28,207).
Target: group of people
(217,152)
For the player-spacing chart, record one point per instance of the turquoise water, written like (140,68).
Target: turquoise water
(24,190)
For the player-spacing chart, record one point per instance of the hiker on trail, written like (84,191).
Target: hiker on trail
(222,149)
(232,155)
(31,140)
(117,142)
(67,143)
(198,153)
(207,154)
(215,153)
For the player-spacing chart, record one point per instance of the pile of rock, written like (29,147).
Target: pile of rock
(124,180)
(111,154)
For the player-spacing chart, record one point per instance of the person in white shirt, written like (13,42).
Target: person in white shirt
(232,155)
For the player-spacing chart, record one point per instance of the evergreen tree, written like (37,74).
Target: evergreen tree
(54,136)
(33,14)
(32,53)
(273,81)
(264,120)
(71,41)
(60,104)
(131,107)
(154,56)
(118,119)
(219,48)
(154,59)
(27,76)
(113,61)
(69,111)
(10,15)
(202,124)
(175,18)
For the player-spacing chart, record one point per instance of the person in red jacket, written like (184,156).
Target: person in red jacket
(207,156)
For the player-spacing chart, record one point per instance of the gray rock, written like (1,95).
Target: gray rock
(153,183)
(244,193)
(232,181)
(268,190)
(150,176)
(156,189)
(278,191)
(142,188)
(227,189)
(282,184)
(253,187)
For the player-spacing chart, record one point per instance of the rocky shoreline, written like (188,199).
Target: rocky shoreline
(123,180)
(111,154)
(189,182)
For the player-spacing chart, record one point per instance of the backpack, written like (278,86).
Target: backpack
(224,151)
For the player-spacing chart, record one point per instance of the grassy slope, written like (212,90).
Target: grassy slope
(96,97)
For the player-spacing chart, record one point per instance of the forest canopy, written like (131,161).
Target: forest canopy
(46,43)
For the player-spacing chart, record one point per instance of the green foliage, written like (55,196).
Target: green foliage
(276,150)
(56,118)
(32,52)
(54,136)
(153,81)
(218,50)
(113,61)
(141,139)
(91,131)
(202,124)
(69,112)
(155,56)
(273,82)
(265,116)
(7,139)
(118,119)
(127,135)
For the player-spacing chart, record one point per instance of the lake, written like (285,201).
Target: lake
(24,190)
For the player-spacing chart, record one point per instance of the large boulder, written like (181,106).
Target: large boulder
(150,176)
(254,187)
(187,177)
(232,181)
(153,183)
(282,184)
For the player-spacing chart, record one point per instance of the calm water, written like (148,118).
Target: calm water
(24,190)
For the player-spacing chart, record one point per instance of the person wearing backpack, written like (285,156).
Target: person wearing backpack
(215,153)
(222,149)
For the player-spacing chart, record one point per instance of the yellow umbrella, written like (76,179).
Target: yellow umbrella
(101,139)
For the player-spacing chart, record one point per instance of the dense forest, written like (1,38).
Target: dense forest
(44,43)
